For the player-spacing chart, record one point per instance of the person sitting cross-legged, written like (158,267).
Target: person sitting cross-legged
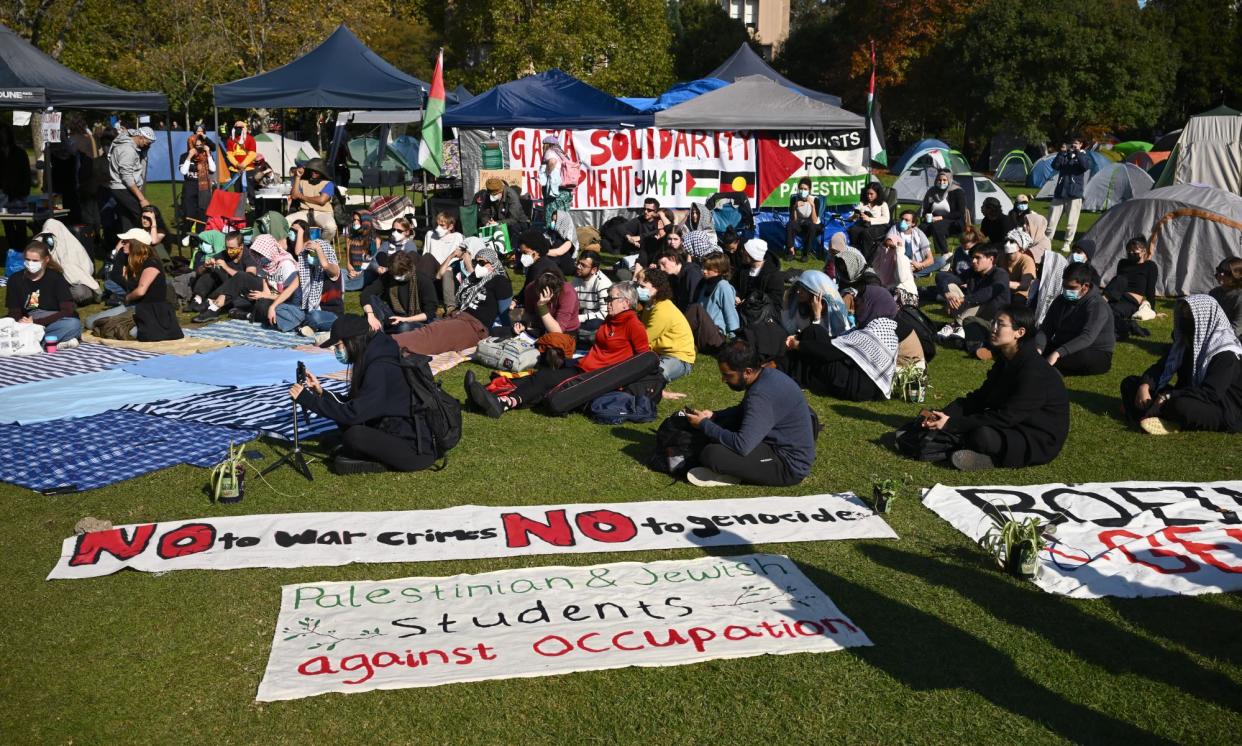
(400,298)
(478,306)
(986,290)
(667,328)
(768,439)
(1078,327)
(39,294)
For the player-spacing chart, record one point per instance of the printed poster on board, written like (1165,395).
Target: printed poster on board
(835,161)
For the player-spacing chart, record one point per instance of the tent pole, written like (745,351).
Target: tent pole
(175,171)
(282,145)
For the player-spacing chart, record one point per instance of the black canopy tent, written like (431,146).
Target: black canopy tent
(746,62)
(30,79)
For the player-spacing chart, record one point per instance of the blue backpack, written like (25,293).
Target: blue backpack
(726,216)
(617,407)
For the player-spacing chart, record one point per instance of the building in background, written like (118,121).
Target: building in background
(767,21)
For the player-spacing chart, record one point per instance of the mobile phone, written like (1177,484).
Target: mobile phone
(301,372)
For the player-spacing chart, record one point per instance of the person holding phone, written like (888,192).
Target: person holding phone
(871,219)
(1072,165)
(198,167)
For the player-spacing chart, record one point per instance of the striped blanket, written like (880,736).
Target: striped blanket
(266,409)
(236,331)
(85,358)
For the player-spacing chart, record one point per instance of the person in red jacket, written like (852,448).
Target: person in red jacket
(619,338)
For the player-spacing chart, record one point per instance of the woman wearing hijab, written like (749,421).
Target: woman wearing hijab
(77,265)
(1047,286)
(1205,359)
(856,366)
(478,305)
(814,301)
(1036,226)
(944,210)
(1228,291)
(893,268)
(1018,417)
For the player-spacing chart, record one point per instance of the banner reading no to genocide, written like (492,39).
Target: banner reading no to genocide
(416,632)
(833,160)
(465,532)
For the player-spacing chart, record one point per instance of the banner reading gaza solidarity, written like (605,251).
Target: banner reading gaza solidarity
(1121,539)
(833,160)
(624,167)
(415,632)
(466,532)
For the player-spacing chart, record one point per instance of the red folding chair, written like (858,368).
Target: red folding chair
(227,209)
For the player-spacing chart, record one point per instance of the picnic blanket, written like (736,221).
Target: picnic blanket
(235,366)
(85,358)
(439,363)
(105,448)
(183,346)
(266,409)
(236,331)
(87,394)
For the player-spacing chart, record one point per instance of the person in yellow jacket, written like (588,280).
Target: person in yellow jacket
(667,329)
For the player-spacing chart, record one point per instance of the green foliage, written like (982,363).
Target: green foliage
(1203,35)
(707,38)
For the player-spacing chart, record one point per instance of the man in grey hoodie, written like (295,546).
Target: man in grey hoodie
(127,174)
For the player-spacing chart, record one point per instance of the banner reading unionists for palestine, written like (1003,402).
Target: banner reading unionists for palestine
(1123,539)
(835,161)
(624,167)
(415,632)
(465,532)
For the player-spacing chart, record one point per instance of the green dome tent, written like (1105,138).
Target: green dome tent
(1014,167)
(1130,147)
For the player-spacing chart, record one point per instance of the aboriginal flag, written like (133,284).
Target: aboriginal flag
(741,182)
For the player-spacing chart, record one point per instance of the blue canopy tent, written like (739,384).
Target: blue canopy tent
(462,94)
(550,99)
(678,94)
(745,62)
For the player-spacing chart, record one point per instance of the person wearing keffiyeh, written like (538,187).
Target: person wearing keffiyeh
(479,304)
(1205,359)
(856,366)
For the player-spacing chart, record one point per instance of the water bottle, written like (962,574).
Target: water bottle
(49,343)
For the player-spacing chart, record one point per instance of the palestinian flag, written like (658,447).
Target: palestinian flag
(702,183)
(740,182)
(875,128)
(430,150)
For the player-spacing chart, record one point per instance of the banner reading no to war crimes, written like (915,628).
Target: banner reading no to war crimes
(625,167)
(465,532)
(834,160)
(415,632)
(1123,539)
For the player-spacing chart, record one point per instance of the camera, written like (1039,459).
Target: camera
(301,377)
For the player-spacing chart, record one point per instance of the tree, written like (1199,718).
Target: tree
(45,23)
(707,38)
(1203,36)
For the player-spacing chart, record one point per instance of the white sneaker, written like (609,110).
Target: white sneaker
(68,344)
(945,330)
(951,330)
(701,476)
(306,331)
(321,337)
(1144,313)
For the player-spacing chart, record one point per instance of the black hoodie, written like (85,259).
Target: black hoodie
(382,400)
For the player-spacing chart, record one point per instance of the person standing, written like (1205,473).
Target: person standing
(240,153)
(198,166)
(127,174)
(14,182)
(1072,165)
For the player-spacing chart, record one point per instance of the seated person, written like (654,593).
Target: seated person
(40,294)
(856,366)
(1132,292)
(913,242)
(362,244)
(453,269)
(804,220)
(944,210)
(500,204)
(619,338)
(1021,208)
(591,286)
(155,318)
(651,245)
(400,298)
(76,264)
(844,261)
(758,281)
(248,295)
(1078,327)
(439,244)
(1206,361)
(895,271)
(871,219)
(813,300)
(625,237)
(563,240)
(1228,293)
(958,264)
(157,232)
(400,238)
(768,439)
(685,276)
(1035,226)
(311,195)
(986,290)
(478,305)
(1018,417)
(549,305)
(995,224)
(1019,265)
(868,300)
(322,297)
(215,270)
(717,297)
(378,430)
(667,329)
(533,247)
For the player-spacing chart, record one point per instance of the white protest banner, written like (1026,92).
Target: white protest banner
(465,532)
(1122,539)
(414,632)
(833,160)
(624,167)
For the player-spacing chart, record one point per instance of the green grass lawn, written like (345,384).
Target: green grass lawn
(961,653)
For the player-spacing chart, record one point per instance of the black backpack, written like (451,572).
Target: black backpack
(922,327)
(429,401)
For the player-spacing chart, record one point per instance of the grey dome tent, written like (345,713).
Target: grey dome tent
(976,187)
(1014,167)
(1115,184)
(1189,230)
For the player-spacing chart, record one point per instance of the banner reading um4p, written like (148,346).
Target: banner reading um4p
(415,632)
(833,160)
(465,532)
(1123,539)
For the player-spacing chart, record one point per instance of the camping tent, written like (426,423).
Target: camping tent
(551,100)
(29,79)
(295,152)
(756,103)
(340,73)
(1115,184)
(1013,167)
(744,62)
(1167,141)
(1208,152)
(913,184)
(462,94)
(1190,229)
(1042,174)
(926,153)
(1130,147)
(1145,160)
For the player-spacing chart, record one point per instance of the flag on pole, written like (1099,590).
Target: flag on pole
(430,150)
(875,128)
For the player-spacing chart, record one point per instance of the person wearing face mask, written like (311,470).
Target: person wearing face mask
(1019,265)
(1132,291)
(803,221)
(400,238)
(400,298)
(768,439)
(1205,360)
(362,246)
(39,294)
(240,154)
(379,432)
(127,173)
(913,242)
(533,259)
(758,282)
(1077,333)
(322,298)
(667,329)
(478,305)
(1072,165)
(310,197)
(1021,208)
(944,210)
(498,204)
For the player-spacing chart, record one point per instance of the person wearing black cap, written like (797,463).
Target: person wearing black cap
(533,248)
(311,197)
(379,432)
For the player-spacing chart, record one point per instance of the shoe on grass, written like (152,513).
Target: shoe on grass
(966,460)
(487,402)
(344,465)
(701,476)
(1157,426)
(239,314)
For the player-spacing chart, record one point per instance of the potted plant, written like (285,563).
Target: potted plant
(884,493)
(228,478)
(1015,545)
(910,383)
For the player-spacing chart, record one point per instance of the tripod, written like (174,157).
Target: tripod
(294,458)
